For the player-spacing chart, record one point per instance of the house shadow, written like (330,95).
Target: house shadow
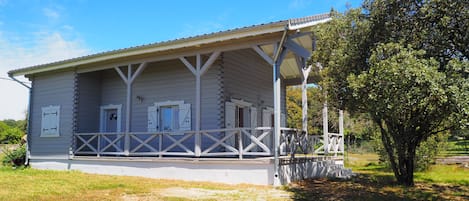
(361,187)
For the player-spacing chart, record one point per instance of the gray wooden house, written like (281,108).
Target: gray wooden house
(204,108)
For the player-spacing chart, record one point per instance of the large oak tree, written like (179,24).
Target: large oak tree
(405,63)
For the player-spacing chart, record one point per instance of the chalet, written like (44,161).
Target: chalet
(205,108)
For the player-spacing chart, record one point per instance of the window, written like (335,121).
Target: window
(239,114)
(239,117)
(169,116)
(50,122)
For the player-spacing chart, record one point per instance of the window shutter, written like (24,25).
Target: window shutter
(253,117)
(266,118)
(50,122)
(283,120)
(152,119)
(185,117)
(230,115)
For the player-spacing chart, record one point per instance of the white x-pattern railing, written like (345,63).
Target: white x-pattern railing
(234,142)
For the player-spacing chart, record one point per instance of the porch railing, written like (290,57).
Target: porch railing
(231,142)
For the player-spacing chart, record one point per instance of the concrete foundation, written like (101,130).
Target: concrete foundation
(231,171)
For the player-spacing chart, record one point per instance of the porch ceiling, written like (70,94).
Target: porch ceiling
(289,68)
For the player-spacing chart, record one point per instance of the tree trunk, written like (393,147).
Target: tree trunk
(403,165)
(405,169)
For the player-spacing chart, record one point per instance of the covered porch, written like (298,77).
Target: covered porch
(286,55)
(284,150)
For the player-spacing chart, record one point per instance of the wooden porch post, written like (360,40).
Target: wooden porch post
(302,55)
(129,79)
(341,131)
(304,73)
(325,128)
(198,72)
(198,141)
(128,110)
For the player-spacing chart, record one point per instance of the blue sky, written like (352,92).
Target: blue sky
(34,31)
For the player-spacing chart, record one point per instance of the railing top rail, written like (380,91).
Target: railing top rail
(179,132)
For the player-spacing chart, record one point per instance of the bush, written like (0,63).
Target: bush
(16,157)
(425,154)
(10,135)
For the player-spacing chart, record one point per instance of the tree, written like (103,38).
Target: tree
(406,64)
(408,98)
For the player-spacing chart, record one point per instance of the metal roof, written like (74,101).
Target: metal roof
(291,24)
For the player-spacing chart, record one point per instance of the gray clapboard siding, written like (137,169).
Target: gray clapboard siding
(89,100)
(159,82)
(172,81)
(247,76)
(113,91)
(52,89)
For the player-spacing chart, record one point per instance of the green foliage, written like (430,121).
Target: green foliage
(10,135)
(294,110)
(21,124)
(14,157)
(425,154)
(403,92)
(428,150)
(406,64)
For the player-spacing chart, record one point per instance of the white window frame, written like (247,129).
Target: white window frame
(57,123)
(174,121)
(102,121)
(159,106)
(248,109)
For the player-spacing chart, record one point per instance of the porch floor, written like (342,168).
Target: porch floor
(255,160)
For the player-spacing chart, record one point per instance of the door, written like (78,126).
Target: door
(110,121)
(110,128)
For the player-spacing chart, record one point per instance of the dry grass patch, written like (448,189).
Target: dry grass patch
(32,184)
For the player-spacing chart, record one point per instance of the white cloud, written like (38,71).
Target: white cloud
(44,48)
(50,13)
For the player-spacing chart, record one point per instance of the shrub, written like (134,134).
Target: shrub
(425,154)
(15,157)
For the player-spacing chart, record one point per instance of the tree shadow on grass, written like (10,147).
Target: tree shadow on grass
(368,187)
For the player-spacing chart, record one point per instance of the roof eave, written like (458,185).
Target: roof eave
(196,41)
(309,24)
(152,48)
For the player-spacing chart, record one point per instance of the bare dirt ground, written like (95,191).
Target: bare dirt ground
(453,160)
(179,193)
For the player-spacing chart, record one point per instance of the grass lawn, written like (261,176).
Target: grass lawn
(442,182)
(31,184)
(457,148)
